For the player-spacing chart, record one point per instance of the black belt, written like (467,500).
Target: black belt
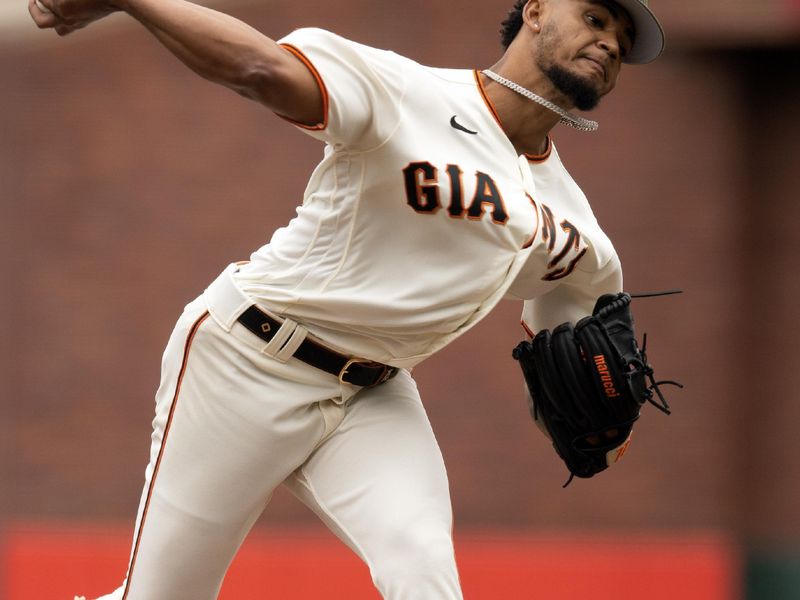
(358,371)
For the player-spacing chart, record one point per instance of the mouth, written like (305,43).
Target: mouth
(597,66)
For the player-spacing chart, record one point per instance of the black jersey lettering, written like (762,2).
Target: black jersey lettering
(570,244)
(487,195)
(548,228)
(456,208)
(422,189)
(573,242)
(423,195)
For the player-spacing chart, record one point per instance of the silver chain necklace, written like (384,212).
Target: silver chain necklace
(566,118)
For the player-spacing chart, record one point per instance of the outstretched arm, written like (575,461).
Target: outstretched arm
(214,45)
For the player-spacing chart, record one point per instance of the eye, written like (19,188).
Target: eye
(595,21)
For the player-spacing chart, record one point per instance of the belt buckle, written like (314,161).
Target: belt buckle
(387,371)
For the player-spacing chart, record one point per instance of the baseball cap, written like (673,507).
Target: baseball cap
(648,41)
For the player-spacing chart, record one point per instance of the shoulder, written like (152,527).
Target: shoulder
(314,36)
(319,42)
(461,77)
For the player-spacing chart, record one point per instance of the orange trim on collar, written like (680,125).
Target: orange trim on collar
(540,158)
(486,98)
(535,158)
(323,90)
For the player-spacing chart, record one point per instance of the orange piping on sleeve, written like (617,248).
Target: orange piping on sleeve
(322,89)
(527,329)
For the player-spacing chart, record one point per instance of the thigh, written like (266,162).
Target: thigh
(226,433)
(379,481)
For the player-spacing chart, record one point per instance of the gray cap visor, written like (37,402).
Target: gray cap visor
(648,42)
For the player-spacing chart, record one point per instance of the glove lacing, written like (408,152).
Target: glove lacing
(662,405)
(645,366)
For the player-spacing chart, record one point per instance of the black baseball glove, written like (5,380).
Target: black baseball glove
(588,383)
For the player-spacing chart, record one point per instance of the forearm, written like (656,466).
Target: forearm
(216,46)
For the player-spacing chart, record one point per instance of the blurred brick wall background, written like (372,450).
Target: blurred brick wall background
(127,183)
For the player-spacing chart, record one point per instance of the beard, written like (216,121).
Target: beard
(581,91)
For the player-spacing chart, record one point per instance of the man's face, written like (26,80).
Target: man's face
(581,46)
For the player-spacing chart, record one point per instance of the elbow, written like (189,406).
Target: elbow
(254,79)
(281,83)
(262,73)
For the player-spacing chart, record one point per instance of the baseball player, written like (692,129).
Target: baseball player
(440,193)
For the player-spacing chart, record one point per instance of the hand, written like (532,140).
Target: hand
(66,16)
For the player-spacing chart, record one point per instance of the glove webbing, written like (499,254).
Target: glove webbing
(662,405)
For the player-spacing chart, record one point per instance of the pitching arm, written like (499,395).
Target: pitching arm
(214,45)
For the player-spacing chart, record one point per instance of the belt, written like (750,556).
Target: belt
(357,371)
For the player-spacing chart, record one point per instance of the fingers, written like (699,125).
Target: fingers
(66,16)
(43,15)
(43,7)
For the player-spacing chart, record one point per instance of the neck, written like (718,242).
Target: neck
(526,123)
(527,117)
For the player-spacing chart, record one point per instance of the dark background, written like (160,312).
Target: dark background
(127,184)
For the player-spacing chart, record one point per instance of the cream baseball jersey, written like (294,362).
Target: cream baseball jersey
(421,215)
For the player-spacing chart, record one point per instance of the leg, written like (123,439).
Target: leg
(226,433)
(379,483)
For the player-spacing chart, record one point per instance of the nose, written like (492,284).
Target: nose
(609,45)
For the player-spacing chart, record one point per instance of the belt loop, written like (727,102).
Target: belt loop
(284,339)
(297,337)
(273,348)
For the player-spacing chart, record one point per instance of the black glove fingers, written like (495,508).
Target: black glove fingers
(574,376)
(609,375)
(561,403)
(588,384)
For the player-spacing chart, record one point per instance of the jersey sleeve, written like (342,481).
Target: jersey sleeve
(571,300)
(362,88)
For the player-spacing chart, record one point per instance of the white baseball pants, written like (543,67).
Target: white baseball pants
(233,422)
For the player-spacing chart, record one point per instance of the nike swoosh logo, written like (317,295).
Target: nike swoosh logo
(456,125)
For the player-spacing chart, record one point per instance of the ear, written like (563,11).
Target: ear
(531,14)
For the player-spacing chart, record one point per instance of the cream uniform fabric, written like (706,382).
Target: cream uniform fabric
(411,230)
(420,218)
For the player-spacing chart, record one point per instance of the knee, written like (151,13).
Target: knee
(416,558)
